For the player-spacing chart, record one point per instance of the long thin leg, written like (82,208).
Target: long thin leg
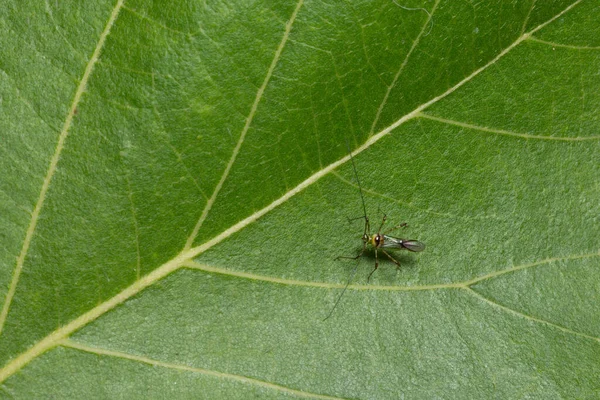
(376,265)
(354,258)
(343,291)
(382,222)
(367,225)
(391,258)
(402,225)
(349,258)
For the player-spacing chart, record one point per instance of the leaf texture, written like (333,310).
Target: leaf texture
(176,185)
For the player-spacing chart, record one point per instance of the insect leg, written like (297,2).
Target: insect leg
(376,265)
(391,258)
(348,257)
(382,222)
(402,225)
(343,291)
(357,256)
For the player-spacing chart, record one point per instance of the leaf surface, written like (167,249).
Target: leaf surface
(177,185)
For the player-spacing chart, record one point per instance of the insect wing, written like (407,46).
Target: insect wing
(413,245)
(391,242)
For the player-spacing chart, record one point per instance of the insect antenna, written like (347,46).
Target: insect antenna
(362,198)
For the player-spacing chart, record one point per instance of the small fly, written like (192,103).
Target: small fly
(381,241)
(378,241)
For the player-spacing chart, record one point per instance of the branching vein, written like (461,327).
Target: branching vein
(566,46)
(388,288)
(531,318)
(53,163)
(507,133)
(219,375)
(397,76)
(58,336)
(411,205)
(236,150)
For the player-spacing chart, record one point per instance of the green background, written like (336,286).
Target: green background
(477,123)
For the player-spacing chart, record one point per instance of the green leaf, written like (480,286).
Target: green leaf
(176,185)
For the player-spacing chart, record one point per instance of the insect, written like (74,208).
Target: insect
(379,241)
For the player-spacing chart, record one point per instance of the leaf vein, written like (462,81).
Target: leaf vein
(53,164)
(526,20)
(249,119)
(505,132)
(399,72)
(55,337)
(412,206)
(565,46)
(215,374)
(391,288)
(154,22)
(529,317)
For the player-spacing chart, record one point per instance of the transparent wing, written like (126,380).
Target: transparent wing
(413,245)
(408,244)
